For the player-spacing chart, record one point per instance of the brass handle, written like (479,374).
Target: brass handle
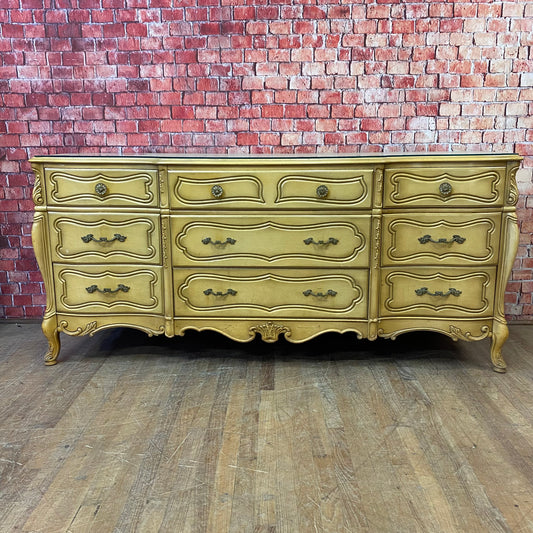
(331,240)
(451,291)
(94,288)
(208,240)
(445,189)
(322,191)
(100,189)
(231,292)
(90,237)
(455,238)
(217,191)
(330,292)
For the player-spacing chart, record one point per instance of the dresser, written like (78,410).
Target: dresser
(277,246)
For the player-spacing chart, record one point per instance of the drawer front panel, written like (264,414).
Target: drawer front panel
(248,188)
(101,290)
(102,186)
(210,188)
(333,189)
(109,238)
(441,239)
(249,241)
(437,186)
(451,292)
(291,293)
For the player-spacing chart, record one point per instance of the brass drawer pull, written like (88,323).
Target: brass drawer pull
(90,237)
(451,291)
(455,238)
(100,189)
(94,288)
(230,292)
(331,240)
(208,240)
(217,191)
(309,292)
(322,191)
(445,189)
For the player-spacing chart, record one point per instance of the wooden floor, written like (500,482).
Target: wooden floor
(202,434)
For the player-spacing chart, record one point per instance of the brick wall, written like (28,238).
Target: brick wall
(117,76)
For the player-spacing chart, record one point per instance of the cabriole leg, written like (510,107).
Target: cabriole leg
(500,333)
(54,344)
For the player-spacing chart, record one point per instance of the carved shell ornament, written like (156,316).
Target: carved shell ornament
(270,331)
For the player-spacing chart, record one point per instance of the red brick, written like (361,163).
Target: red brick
(313,12)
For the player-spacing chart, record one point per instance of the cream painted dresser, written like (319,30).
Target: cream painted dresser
(374,244)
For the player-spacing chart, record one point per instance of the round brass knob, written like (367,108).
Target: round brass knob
(322,191)
(100,189)
(445,189)
(217,191)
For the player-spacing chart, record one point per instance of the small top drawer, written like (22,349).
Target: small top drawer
(210,188)
(431,185)
(282,188)
(102,186)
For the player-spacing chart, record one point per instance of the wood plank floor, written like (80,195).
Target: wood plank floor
(202,434)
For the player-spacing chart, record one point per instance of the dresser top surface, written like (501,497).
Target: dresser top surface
(269,159)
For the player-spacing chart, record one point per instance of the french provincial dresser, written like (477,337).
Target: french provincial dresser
(295,246)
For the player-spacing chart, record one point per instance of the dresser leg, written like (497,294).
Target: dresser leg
(54,344)
(500,333)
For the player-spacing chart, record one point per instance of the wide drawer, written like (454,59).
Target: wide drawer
(249,187)
(259,293)
(102,186)
(441,238)
(256,240)
(435,185)
(451,292)
(108,290)
(110,238)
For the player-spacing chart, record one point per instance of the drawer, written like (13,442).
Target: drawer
(284,241)
(432,185)
(248,187)
(108,290)
(260,293)
(105,238)
(102,186)
(442,238)
(450,292)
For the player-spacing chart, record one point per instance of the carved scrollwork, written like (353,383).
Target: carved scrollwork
(89,328)
(457,333)
(512,193)
(37,188)
(270,331)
